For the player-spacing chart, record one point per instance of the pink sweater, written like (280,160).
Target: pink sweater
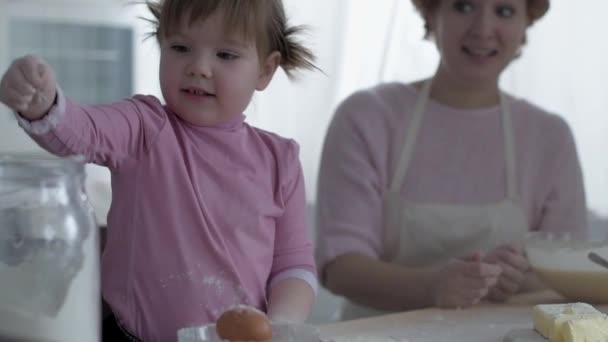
(458,159)
(202,218)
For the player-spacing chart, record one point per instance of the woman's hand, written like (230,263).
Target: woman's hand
(29,87)
(514,266)
(464,282)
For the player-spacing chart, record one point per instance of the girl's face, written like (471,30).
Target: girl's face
(477,39)
(207,75)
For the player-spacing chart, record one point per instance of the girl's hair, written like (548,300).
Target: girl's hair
(536,9)
(261,21)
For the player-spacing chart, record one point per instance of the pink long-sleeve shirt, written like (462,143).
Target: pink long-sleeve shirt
(202,218)
(458,159)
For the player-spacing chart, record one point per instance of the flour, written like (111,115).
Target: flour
(245,308)
(81,303)
(282,332)
(366,339)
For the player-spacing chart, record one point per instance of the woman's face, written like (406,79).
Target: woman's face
(477,39)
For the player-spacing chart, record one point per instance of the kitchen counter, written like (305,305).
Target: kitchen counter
(483,323)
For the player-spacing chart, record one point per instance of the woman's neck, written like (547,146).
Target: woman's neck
(463,94)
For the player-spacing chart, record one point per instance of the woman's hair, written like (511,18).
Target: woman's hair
(261,21)
(536,9)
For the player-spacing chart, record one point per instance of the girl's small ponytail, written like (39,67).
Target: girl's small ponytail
(294,55)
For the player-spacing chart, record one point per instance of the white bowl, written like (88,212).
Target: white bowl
(281,332)
(561,261)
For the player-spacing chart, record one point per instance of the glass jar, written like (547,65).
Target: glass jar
(49,252)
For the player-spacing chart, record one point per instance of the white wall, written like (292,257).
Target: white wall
(564,69)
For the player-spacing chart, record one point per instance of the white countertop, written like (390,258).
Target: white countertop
(483,323)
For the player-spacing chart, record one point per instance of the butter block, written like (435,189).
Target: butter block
(586,329)
(550,319)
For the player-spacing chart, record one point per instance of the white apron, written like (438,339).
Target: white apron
(430,234)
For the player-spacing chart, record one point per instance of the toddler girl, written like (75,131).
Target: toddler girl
(207,212)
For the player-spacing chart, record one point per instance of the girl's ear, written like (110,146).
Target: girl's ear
(268,68)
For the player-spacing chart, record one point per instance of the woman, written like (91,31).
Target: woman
(426,190)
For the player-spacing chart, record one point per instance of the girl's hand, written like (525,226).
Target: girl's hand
(29,87)
(464,282)
(514,266)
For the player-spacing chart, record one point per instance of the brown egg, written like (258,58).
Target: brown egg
(243,323)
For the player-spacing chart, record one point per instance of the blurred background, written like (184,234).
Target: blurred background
(99,52)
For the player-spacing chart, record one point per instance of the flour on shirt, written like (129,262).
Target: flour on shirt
(220,294)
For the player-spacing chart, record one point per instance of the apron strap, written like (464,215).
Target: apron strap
(507,125)
(410,137)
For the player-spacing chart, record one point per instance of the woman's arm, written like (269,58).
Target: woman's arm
(564,206)
(383,286)
(378,284)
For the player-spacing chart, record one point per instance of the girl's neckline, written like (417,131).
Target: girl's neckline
(232,124)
